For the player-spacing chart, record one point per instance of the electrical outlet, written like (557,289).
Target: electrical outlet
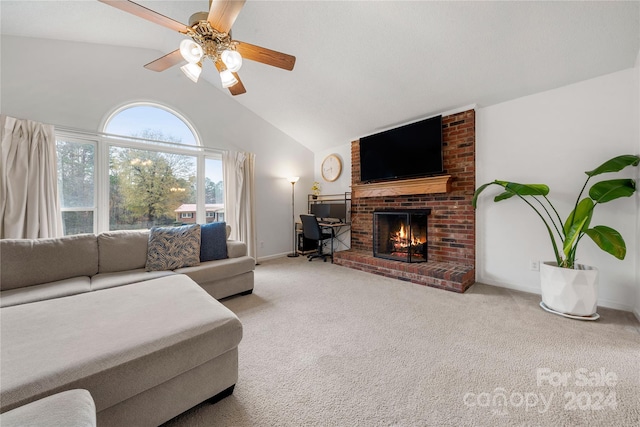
(534,265)
(261,245)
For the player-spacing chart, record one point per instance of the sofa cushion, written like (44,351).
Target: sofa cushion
(27,262)
(219,269)
(122,250)
(116,343)
(71,408)
(173,247)
(213,241)
(58,289)
(120,278)
(236,248)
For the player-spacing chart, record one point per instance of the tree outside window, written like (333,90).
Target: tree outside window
(148,186)
(76,185)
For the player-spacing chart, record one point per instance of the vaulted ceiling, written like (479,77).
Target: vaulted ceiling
(363,66)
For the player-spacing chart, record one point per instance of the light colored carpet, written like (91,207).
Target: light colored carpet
(328,346)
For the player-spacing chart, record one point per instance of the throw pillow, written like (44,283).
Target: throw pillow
(173,247)
(213,243)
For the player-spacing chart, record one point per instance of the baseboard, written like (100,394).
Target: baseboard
(269,257)
(602,302)
(612,304)
(636,313)
(527,289)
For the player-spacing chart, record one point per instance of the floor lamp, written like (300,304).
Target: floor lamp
(293,180)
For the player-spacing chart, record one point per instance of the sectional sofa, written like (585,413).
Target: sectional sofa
(84,312)
(39,269)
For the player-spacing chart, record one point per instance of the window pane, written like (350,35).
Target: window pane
(214,190)
(148,122)
(75,174)
(148,188)
(77,222)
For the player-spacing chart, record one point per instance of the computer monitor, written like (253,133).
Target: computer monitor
(320,210)
(338,211)
(330,211)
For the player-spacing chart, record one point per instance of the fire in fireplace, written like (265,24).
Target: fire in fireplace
(400,235)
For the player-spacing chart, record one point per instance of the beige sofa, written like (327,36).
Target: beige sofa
(81,312)
(39,269)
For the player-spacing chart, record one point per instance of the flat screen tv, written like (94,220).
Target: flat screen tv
(413,150)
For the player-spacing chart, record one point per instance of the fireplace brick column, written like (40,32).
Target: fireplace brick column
(451,245)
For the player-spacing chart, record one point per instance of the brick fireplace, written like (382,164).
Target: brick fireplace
(451,224)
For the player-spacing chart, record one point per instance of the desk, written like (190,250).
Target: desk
(338,232)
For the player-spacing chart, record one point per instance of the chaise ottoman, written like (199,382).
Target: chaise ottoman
(146,352)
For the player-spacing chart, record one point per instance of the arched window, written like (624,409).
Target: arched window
(155,172)
(151,122)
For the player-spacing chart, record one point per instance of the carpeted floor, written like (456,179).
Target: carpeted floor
(328,346)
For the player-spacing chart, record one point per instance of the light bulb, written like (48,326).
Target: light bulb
(192,71)
(191,51)
(228,79)
(232,59)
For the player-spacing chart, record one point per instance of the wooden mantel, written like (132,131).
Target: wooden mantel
(406,187)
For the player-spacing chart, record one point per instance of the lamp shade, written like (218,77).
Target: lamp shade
(232,59)
(192,71)
(228,79)
(191,51)
(293,179)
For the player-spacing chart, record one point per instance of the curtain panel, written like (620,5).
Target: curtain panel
(29,205)
(239,196)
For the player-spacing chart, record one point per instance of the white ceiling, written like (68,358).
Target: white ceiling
(363,66)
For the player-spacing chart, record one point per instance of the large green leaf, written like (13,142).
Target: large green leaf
(574,232)
(616,164)
(584,209)
(480,189)
(504,196)
(605,191)
(609,240)
(525,189)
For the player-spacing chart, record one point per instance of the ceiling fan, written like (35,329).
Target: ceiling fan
(210,37)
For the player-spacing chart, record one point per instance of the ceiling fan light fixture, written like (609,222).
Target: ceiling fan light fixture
(232,59)
(228,79)
(192,71)
(191,51)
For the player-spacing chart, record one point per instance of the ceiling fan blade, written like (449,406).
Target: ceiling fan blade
(169,60)
(266,56)
(223,14)
(148,14)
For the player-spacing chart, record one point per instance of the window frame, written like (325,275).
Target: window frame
(104,141)
(80,139)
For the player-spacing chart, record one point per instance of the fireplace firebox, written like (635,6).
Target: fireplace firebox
(400,235)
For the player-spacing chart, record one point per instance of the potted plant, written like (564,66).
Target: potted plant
(315,189)
(569,288)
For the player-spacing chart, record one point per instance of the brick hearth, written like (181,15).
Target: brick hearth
(451,244)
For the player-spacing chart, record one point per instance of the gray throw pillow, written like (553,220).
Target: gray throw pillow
(173,247)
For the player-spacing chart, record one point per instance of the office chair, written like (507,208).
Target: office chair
(312,231)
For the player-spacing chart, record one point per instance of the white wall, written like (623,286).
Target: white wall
(553,137)
(78,84)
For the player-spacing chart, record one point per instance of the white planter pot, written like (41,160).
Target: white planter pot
(569,291)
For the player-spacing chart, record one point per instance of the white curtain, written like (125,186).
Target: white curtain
(29,206)
(239,196)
